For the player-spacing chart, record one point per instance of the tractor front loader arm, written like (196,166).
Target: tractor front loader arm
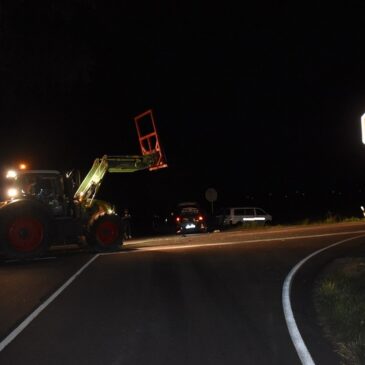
(152,158)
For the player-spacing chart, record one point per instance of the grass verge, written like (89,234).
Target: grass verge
(329,220)
(339,298)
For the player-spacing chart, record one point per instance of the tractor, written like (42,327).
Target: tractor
(48,207)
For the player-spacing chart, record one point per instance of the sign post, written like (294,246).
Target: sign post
(211,195)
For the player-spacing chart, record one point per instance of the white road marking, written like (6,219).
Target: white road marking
(300,347)
(35,313)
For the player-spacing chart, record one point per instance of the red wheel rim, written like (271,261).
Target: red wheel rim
(25,234)
(107,233)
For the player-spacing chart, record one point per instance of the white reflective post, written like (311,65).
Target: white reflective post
(363,128)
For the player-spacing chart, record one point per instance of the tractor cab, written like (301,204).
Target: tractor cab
(45,186)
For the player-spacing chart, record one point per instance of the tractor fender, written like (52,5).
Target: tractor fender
(25,203)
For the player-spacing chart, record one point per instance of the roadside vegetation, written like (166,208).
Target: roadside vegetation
(339,298)
(329,219)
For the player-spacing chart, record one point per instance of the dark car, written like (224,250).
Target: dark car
(190,218)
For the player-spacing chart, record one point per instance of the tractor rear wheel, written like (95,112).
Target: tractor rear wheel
(106,233)
(24,232)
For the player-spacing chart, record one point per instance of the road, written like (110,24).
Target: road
(201,299)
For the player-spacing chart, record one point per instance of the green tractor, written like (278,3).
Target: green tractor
(47,207)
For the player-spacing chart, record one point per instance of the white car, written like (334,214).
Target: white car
(240,215)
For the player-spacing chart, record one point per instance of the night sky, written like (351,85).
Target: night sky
(261,102)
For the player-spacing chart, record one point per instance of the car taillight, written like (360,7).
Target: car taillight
(177,219)
(200,218)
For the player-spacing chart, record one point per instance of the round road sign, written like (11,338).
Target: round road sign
(211,195)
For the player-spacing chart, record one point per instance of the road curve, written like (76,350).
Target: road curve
(212,299)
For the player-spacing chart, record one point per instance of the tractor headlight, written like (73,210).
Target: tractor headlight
(11,174)
(12,192)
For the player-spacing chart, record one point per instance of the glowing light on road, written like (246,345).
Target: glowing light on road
(22,166)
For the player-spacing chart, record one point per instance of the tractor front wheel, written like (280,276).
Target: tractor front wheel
(106,233)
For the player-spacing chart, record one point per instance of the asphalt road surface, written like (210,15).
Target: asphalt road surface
(201,299)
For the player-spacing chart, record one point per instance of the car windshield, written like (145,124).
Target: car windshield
(189,211)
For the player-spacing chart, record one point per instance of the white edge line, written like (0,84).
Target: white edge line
(298,342)
(36,312)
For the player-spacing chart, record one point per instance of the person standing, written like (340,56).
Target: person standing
(126,219)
